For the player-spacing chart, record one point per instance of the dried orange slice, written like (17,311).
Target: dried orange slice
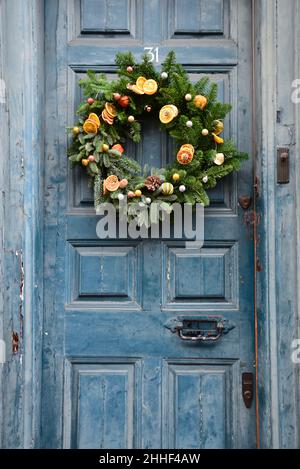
(111,110)
(136,89)
(112,183)
(150,86)
(166,114)
(95,118)
(106,117)
(140,82)
(90,127)
(175,109)
(188,147)
(184,156)
(109,116)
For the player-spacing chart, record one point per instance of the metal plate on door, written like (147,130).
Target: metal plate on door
(283,165)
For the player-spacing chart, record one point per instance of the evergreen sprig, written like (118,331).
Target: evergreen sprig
(201,174)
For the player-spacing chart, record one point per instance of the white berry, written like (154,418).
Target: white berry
(130,119)
(205,179)
(148,200)
(205,132)
(164,75)
(188,97)
(182,188)
(121,197)
(189,124)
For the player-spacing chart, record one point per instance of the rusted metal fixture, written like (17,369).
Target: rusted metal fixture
(15,342)
(283,166)
(247,388)
(245,201)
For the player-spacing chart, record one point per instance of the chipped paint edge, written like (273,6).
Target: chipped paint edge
(279,409)
(22,237)
(2,352)
(297,183)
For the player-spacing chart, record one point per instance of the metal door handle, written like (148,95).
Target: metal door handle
(200,329)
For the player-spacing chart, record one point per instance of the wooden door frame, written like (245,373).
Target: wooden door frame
(277,47)
(22,110)
(22,68)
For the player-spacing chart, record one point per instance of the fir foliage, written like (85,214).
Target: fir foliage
(171,90)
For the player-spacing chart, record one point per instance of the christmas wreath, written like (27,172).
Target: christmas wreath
(189,112)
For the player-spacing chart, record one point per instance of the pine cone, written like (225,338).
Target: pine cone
(153,183)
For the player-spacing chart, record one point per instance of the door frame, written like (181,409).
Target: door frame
(278,230)
(20,375)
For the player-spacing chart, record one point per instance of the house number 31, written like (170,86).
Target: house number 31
(153,53)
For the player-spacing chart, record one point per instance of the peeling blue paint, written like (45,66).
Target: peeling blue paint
(147,366)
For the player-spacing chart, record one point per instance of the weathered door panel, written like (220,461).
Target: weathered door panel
(114,374)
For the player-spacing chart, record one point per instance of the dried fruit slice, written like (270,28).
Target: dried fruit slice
(188,147)
(219,159)
(218,126)
(167,188)
(90,127)
(217,139)
(175,109)
(150,86)
(112,183)
(140,82)
(136,89)
(184,156)
(106,118)
(166,114)
(95,118)
(111,109)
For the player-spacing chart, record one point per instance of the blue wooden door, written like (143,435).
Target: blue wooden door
(114,374)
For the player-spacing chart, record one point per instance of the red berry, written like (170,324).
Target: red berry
(129,69)
(116,96)
(91,158)
(90,100)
